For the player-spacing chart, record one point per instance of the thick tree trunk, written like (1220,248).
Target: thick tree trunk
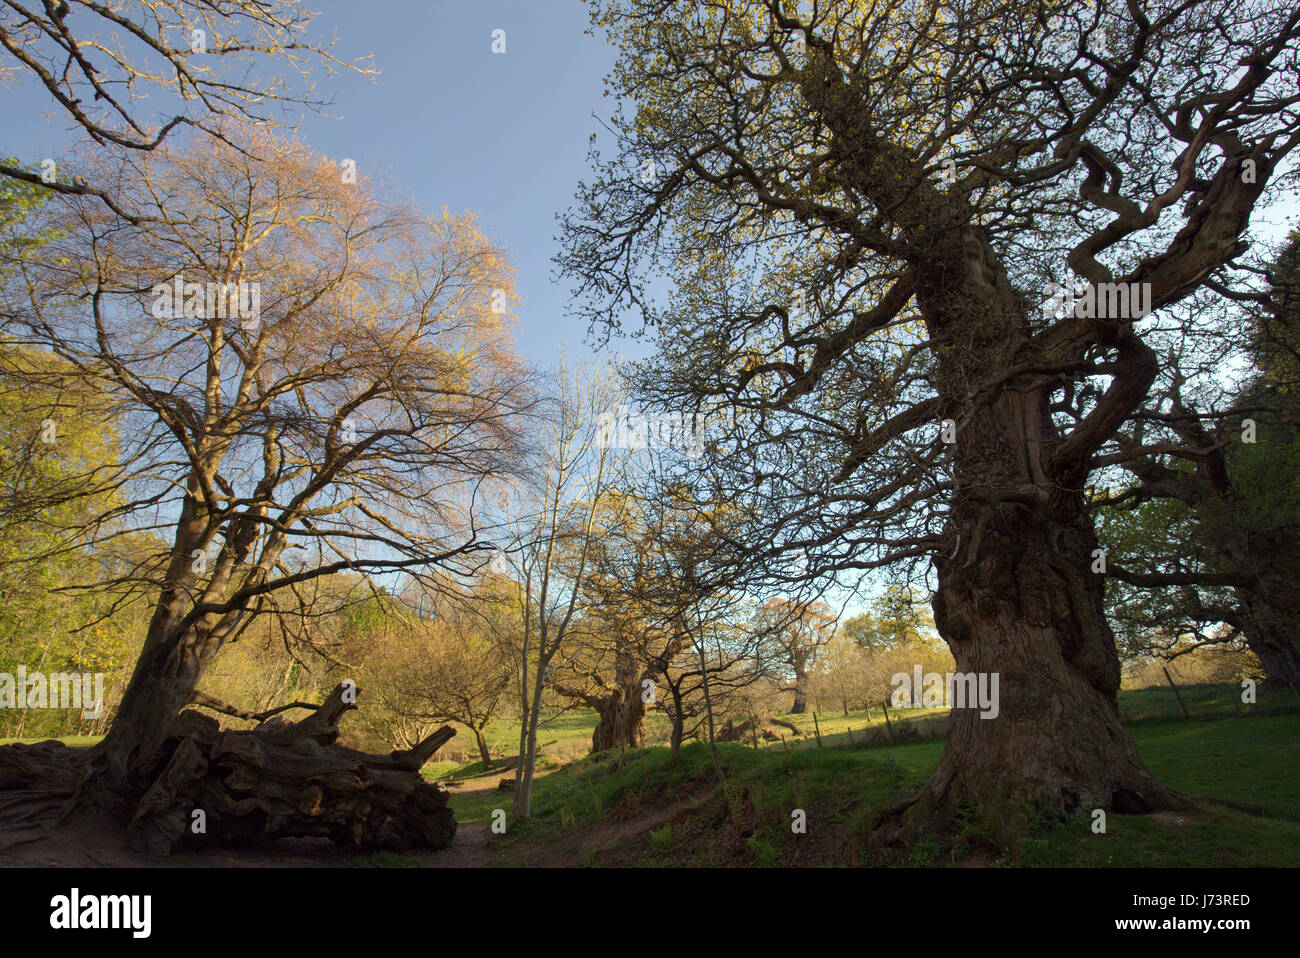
(1269,608)
(800,704)
(170,663)
(165,677)
(1270,633)
(621,711)
(483,752)
(177,649)
(1027,608)
(619,724)
(1017,595)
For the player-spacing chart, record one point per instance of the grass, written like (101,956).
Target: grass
(562,737)
(1237,762)
(1160,704)
(72,741)
(1241,771)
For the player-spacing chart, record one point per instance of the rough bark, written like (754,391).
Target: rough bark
(38,783)
(170,664)
(1026,607)
(1270,606)
(290,779)
(800,704)
(1270,633)
(1016,595)
(619,725)
(483,752)
(280,779)
(620,710)
(739,731)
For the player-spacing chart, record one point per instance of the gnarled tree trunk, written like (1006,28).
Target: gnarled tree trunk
(620,710)
(210,786)
(1271,634)
(619,725)
(1017,595)
(1025,606)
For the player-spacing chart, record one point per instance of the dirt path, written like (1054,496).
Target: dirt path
(469,849)
(91,840)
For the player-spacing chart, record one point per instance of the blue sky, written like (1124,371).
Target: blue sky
(503,135)
(450,123)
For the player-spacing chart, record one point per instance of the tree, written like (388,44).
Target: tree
(667,605)
(862,208)
(58,473)
(106,68)
(553,531)
(58,464)
(618,644)
(798,632)
(897,616)
(1205,527)
(320,384)
(841,676)
(450,670)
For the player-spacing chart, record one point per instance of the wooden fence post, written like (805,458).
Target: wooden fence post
(817,730)
(889,728)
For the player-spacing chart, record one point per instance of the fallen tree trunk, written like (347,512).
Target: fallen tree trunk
(215,787)
(290,779)
(733,732)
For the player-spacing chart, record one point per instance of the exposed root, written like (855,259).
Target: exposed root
(231,787)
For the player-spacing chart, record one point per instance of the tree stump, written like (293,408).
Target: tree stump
(289,779)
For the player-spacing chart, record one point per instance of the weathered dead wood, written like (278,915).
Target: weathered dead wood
(285,779)
(755,728)
(38,782)
(784,724)
(212,702)
(733,731)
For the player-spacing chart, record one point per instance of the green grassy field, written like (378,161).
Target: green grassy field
(1244,773)
(1239,763)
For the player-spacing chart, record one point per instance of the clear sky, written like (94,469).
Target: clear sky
(504,135)
(451,123)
